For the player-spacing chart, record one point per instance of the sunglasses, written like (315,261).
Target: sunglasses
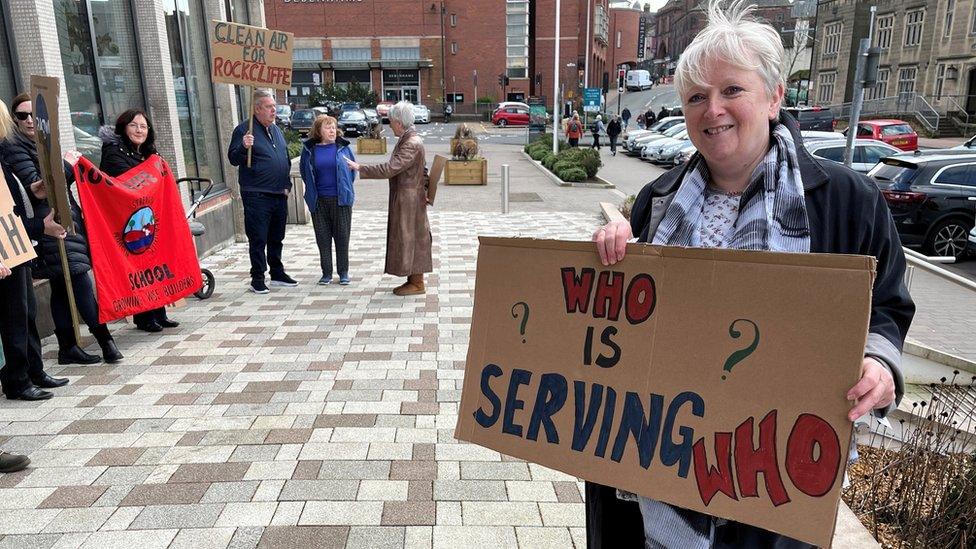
(23,115)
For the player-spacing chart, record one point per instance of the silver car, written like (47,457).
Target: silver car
(421,114)
(653,149)
(867,152)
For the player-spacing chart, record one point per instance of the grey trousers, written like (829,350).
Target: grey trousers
(332,223)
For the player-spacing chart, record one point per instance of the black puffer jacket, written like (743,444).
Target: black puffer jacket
(19,153)
(118,157)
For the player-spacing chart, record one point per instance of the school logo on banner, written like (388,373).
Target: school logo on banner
(141,247)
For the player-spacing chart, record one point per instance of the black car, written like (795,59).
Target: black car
(350,106)
(353,123)
(932,198)
(813,118)
(301,121)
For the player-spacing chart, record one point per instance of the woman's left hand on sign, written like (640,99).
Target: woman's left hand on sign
(72,157)
(611,241)
(876,389)
(4,271)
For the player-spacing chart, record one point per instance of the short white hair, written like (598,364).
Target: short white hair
(260,93)
(402,112)
(735,36)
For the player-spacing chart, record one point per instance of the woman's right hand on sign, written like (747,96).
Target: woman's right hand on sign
(611,241)
(4,271)
(39,189)
(52,228)
(248,140)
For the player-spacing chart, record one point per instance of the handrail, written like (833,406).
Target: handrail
(917,260)
(960,110)
(922,115)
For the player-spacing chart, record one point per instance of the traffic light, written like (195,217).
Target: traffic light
(501,79)
(506,80)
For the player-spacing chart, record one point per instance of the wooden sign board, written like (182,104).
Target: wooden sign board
(250,56)
(15,245)
(714,380)
(45,91)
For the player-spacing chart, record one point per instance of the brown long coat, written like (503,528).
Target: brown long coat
(408,238)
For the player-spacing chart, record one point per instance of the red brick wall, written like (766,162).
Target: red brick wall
(626,21)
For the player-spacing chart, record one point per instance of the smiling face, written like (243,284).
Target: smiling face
(23,115)
(728,118)
(137,130)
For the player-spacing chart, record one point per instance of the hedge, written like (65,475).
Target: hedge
(572,175)
(570,161)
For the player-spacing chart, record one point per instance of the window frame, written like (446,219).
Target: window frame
(914,30)
(832,34)
(885,25)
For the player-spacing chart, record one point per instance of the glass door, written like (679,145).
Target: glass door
(411,94)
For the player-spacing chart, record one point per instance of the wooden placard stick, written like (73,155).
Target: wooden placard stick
(250,122)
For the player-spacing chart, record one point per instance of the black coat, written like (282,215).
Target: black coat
(117,156)
(19,153)
(613,128)
(847,215)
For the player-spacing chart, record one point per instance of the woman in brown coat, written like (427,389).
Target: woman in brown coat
(408,237)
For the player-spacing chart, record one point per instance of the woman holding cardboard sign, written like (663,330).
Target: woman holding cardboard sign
(408,238)
(752,185)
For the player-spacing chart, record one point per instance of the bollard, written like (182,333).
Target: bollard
(504,188)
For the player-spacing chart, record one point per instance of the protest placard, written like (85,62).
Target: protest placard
(45,92)
(714,380)
(250,56)
(434,177)
(15,245)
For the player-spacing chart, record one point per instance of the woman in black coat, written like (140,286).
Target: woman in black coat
(130,144)
(19,153)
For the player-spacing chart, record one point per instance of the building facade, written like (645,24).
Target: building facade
(928,49)
(431,50)
(113,55)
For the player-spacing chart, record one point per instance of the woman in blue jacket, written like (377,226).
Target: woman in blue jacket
(329,193)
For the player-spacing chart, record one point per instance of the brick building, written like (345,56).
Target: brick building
(625,38)
(427,50)
(928,56)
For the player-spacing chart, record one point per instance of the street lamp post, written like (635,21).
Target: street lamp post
(555,86)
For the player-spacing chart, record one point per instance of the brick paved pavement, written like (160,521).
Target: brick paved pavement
(317,416)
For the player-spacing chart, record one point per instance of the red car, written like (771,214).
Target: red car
(510,116)
(383,110)
(896,133)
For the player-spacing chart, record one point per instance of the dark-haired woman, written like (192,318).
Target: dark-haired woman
(19,153)
(128,145)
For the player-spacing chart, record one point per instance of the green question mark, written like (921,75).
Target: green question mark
(741,354)
(525,317)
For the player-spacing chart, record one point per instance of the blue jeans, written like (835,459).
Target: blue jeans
(264,224)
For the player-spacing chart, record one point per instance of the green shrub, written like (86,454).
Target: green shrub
(549,159)
(572,174)
(561,165)
(538,154)
(294,149)
(588,159)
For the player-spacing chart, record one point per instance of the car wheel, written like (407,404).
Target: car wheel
(949,238)
(503,122)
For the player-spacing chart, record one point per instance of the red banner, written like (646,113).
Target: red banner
(141,247)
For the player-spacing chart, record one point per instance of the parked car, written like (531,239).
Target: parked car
(685,154)
(970,144)
(372,116)
(283,116)
(656,129)
(383,109)
(301,120)
(972,241)
(654,148)
(893,132)
(511,116)
(813,118)
(932,198)
(353,123)
(349,106)
(810,135)
(421,114)
(637,147)
(320,111)
(867,152)
(669,155)
(504,104)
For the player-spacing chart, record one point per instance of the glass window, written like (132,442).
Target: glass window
(307,54)
(873,154)
(865,131)
(351,54)
(914,22)
(950,9)
(8,86)
(885,22)
(906,79)
(831,153)
(897,129)
(400,53)
(880,90)
(958,175)
(116,58)
(825,88)
(187,35)
(832,38)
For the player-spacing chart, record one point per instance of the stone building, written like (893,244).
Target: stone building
(928,57)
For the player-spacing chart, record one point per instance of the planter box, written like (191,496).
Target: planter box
(365,145)
(466,172)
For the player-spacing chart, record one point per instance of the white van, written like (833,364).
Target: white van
(638,80)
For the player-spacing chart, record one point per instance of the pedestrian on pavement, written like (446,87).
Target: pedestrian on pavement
(408,238)
(9,463)
(574,130)
(752,154)
(329,193)
(664,113)
(649,119)
(130,143)
(613,131)
(20,154)
(265,185)
(22,375)
(625,116)
(597,128)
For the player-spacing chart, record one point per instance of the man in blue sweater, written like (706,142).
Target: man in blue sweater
(264,190)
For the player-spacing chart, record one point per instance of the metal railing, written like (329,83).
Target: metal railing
(956,110)
(927,264)
(901,104)
(925,113)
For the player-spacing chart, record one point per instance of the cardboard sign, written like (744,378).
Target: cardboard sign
(714,380)
(250,56)
(434,177)
(15,246)
(45,91)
